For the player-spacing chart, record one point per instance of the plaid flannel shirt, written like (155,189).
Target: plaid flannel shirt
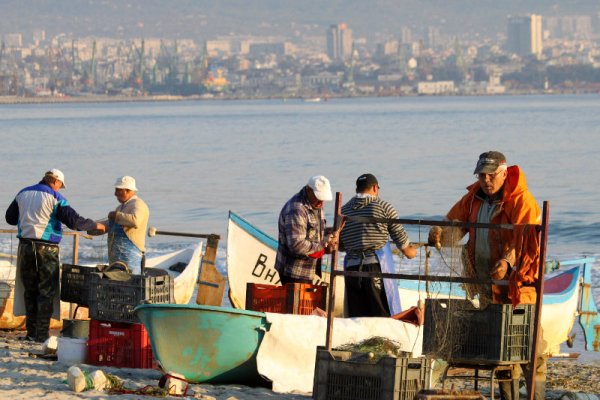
(301,232)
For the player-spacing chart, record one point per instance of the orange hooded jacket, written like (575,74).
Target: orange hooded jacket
(519,246)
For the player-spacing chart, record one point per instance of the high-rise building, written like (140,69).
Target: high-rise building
(524,35)
(339,42)
(406,35)
(431,37)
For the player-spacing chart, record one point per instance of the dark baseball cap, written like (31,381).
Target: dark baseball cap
(365,181)
(489,162)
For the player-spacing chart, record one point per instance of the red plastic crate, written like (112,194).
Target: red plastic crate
(118,344)
(292,298)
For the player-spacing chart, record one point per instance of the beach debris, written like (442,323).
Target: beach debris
(79,380)
(50,345)
(375,348)
(174,383)
(579,396)
(99,380)
(76,379)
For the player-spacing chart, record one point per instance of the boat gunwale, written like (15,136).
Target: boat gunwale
(226,310)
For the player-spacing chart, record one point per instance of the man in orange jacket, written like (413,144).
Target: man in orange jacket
(500,196)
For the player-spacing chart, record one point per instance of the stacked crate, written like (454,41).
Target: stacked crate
(291,298)
(118,344)
(117,338)
(75,282)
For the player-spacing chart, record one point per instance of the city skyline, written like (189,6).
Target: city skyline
(531,53)
(202,20)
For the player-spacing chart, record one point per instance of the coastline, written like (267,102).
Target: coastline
(60,99)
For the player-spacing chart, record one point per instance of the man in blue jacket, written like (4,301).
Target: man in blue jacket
(39,212)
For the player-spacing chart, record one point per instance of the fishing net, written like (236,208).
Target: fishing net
(460,318)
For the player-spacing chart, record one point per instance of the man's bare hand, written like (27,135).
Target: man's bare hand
(98,230)
(500,270)
(435,237)
(410,251)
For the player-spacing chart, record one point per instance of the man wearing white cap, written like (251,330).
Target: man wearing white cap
(39,212)
(127,226)
(302,240)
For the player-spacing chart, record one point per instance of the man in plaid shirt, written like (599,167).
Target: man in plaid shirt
(302,240)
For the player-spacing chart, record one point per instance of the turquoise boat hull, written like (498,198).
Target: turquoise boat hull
(205,343)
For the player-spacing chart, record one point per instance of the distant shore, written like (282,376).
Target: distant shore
(7,100)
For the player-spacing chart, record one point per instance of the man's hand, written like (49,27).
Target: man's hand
(112,215)
(435,237)
(98,230)
(500,270)
(332,242)
(410,251)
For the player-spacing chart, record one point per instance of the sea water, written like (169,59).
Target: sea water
(196,160)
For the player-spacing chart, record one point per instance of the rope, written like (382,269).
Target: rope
(148,390)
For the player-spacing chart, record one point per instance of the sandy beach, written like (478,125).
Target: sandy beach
(24,374)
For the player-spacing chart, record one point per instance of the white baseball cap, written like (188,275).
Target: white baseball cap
(321,187)
(126,182)
(57,174)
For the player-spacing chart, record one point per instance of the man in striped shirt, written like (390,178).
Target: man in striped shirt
(364,244)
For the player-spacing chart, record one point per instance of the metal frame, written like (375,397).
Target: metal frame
(543,228)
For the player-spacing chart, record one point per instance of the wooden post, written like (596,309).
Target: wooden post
(75,257)
(334,259)
(539,287)
(74,260)
(211,284)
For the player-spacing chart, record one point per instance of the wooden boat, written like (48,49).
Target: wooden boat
(184,281)
(251,258)
(184,284)
(205,343)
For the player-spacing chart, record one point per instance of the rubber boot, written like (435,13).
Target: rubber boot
(31,318)
(540,390)
(45,309)
(509,390)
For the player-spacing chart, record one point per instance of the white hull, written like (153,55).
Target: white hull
(184,285)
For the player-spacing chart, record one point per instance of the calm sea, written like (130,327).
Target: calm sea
(194,161)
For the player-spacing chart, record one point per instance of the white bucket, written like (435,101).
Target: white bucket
(71,350)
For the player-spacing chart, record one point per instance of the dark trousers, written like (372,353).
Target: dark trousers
(39,266)
(366,296)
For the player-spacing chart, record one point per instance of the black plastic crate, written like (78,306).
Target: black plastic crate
(346,375)
(455,330)
(74,283)
(112,300)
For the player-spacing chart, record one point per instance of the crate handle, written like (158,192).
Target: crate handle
(518,311)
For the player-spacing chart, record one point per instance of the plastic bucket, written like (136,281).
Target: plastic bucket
(76,328)
(71,350)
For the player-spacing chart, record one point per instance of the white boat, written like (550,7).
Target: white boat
(251,258)
(184,285)
(184,281)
